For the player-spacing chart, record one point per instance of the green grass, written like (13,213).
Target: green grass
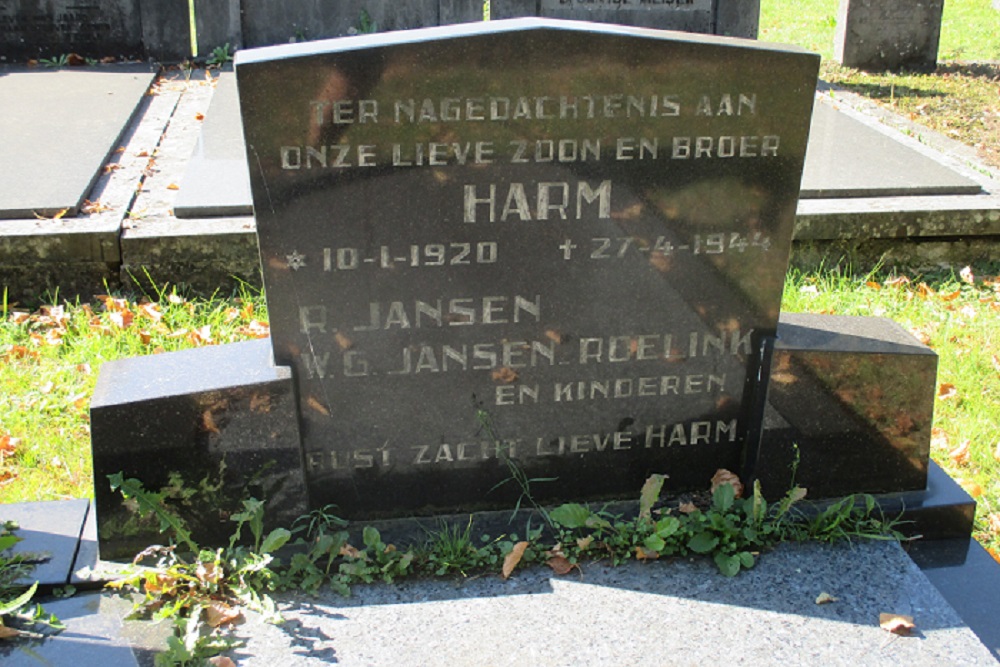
(968,27)
(960,320)
(959,99)
(51,360)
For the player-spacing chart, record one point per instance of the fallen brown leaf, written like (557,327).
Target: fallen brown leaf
(348,551)
(201,335)
(151,310)
(947,391)
(960,455)
(899,281)
(343,342)
(950,296)
(255,329)
(561,565)
(897,624)
(8,445)
(208,422)
(93,207)
(513,558)
(825,598)
(505,375)
(939,439)
(173,186)
(219,613)
(723,476)
(221,661)
(260,403)
(314,403)
(122,319)
(904,423)
(642,553)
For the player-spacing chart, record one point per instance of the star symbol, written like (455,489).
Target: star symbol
(296,260)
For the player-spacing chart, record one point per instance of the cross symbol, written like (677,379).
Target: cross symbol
(567,247)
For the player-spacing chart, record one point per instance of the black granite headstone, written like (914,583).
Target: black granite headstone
(205,429)
(850,405)
(533,243)
(35,29)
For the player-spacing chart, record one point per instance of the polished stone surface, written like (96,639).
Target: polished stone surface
(96,635)
(68,122)
(217,173)
(968,578)
(846,157)
(206,427)
(50,530)
(850,398)
(687,614)
(592,319)
(767,615)
(849,158)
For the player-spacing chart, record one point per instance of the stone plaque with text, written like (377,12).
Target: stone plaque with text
(527,247)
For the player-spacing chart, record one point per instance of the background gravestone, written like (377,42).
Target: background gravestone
(888,34)
(48,28)
(131,28)
(733,18)
(481,246)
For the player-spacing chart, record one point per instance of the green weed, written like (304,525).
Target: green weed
(220,56)
(200,591)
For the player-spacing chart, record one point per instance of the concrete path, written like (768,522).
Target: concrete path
(662,613)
